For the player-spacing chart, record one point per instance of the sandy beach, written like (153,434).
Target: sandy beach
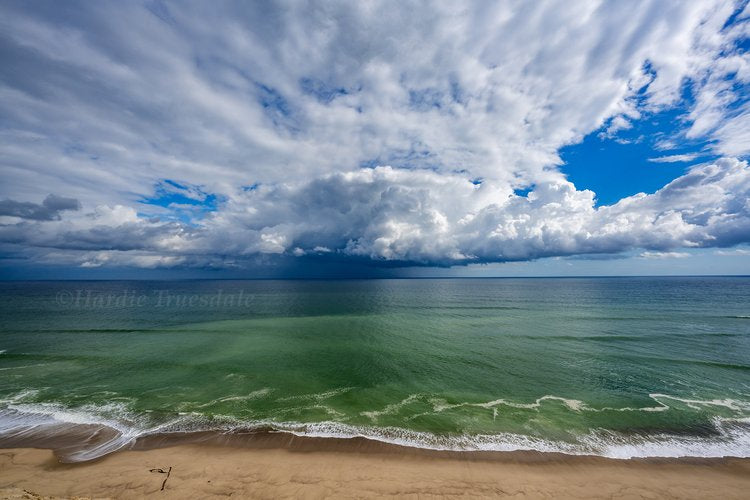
(305,468)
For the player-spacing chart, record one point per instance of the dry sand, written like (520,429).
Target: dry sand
(352,470)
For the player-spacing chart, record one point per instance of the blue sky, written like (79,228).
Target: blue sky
(631,162)
(178,139)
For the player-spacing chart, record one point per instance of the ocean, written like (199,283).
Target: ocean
(617,367)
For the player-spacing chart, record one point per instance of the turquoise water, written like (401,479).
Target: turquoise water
(618,367)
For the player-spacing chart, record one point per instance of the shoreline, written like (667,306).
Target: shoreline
(273,465)
(88,442)
(78,437)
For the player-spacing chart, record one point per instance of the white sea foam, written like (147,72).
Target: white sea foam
(30,419)
(253,395)
(391,408)
(440,405)
(8,368)
(317,396)
(731,436)
(696,404)
(573,404)
(260,393)
(732,440)
(297,409)
(22,396)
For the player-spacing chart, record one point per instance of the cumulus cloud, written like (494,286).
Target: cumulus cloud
(396,215)
(391,214)
(358,130)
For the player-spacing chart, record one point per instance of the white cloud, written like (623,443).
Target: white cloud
(617,124)
(104,104)
(733,252)
(386,214)
(664,255)
(720,81)
(135,259)
(675,158)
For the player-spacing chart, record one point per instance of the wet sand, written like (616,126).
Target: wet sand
(276,466)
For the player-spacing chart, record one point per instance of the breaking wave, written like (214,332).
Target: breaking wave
(91,431)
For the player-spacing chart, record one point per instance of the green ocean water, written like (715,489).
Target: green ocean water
(619,367)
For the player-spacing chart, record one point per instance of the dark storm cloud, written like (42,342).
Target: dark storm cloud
(49,209)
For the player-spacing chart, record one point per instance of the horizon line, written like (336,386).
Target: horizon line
(354,278)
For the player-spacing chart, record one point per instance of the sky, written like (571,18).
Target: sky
(226,139)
